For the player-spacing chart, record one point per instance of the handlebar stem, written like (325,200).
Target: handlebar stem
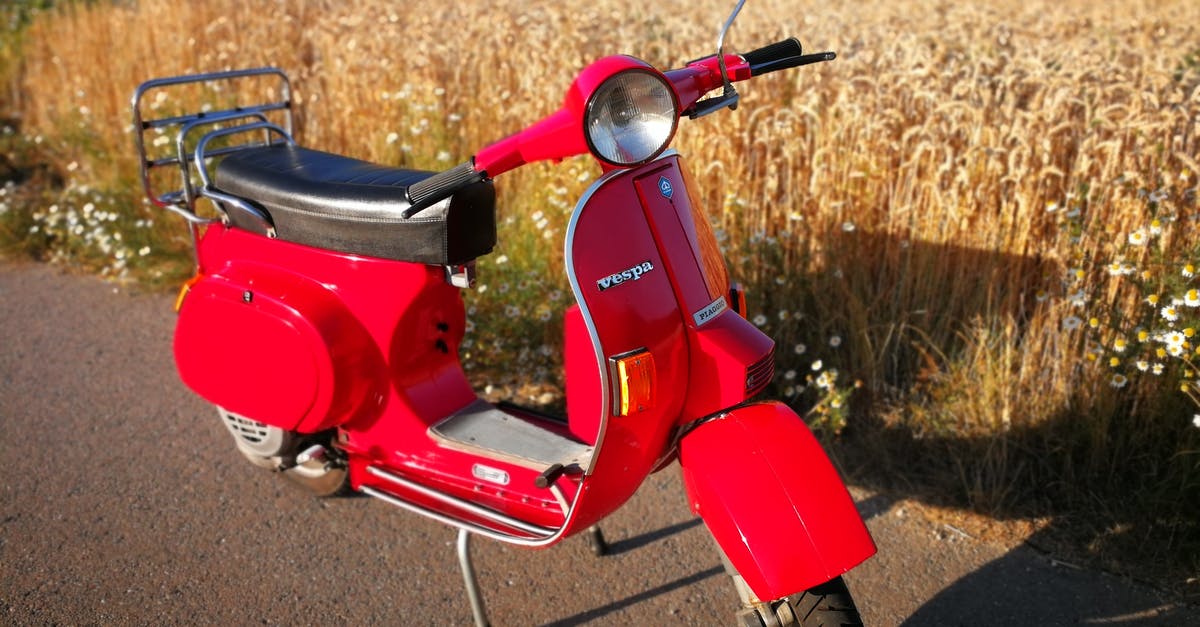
(552,137)
(560,135)
(704,75)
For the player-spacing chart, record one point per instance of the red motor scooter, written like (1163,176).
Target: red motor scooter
(325,317)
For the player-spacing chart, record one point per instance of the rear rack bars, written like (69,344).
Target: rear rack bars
(245,118)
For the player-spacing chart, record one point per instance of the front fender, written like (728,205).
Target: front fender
(772,500)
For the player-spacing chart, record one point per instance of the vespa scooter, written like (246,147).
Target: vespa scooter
(325,317)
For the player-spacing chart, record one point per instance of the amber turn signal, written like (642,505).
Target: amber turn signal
(183,291)
(634,374)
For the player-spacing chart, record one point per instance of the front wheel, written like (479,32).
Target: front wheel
(826,605)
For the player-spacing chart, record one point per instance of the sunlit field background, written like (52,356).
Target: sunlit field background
(973,235)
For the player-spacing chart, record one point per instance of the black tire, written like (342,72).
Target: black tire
(826,605)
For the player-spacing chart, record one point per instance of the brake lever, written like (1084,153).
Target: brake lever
(714,104)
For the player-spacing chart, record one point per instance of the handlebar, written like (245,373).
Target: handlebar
(782,55)
(772,53)
(701,76)
(561,134)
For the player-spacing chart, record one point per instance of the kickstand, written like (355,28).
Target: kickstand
(468,571)
(596,541)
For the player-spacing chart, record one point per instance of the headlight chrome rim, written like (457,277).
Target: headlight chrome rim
(636,150)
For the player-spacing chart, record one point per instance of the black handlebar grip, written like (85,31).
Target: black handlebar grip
(426,193)
(777,51)
(791,62)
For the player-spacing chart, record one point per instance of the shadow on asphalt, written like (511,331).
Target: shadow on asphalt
(1021,587)
(609,608)
(638,541)
(1007,591)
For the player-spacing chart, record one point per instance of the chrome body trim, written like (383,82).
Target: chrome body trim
(478,510)
(576,288)
(543,536)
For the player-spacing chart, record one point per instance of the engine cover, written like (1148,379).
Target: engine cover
(276,347)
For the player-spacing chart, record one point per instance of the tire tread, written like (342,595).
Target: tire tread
(826,605)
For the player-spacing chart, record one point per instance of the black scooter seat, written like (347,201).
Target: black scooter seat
(329,201)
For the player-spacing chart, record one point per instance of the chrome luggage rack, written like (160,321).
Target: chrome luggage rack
(192,159)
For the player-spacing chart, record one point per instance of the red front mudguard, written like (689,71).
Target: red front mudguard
(772,499)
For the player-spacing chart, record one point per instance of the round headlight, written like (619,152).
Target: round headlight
(630,118)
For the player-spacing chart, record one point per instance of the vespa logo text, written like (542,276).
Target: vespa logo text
(631,274)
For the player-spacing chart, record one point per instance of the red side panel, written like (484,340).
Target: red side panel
(583,374)
(273,346)
(239,355)
(772,500)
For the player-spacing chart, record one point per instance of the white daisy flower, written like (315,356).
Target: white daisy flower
(1173,338)
(1138,237)
(1192,298)
(1118,381)
(1143,365)
(1071,323)
(817,365)
(1170,313)
(1196,420)
(1189,270)
(1157,368)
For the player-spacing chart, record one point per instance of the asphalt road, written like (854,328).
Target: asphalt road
(123,501)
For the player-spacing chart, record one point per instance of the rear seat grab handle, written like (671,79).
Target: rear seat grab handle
(202,145)
(263,222)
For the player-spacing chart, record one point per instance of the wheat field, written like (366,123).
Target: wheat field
(927,225)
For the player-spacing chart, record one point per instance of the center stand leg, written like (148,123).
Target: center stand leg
(468,571)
